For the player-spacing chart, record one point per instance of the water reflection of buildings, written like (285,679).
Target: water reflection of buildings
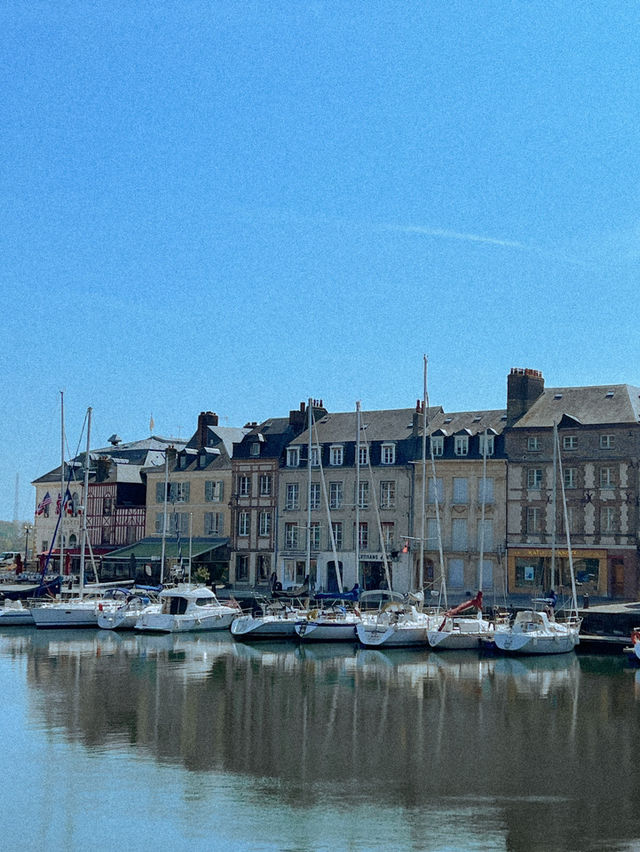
(401,727)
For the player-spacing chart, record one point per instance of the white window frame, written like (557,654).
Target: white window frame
(316,535)
(535,520)
(336,455)
(363,496)
(461,445)
(337,533)
(244,522)
(213,491)
(533,443)
(607,442)
(290,536)
(607,520)
(570,475)
(363,535)
(336,495)
(293,456)
(387,494)
(607,477)
(316,495)
(363,458)
(437,445)
(264,524)
(265,485)
(534,478)
(315,456)
(490,441)
(244,485)
(569,442)
(292,500)
(388,453)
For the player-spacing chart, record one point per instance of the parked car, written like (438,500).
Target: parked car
(8,557)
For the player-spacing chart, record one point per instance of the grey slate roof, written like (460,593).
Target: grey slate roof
(469,422)
(600,404)
(387,425)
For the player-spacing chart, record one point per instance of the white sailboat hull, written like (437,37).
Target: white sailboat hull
(264,627)
(68,614)
(392,636)
(327,630)
(534,633)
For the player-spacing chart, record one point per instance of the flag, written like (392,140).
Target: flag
(58,502)
(42,505)
(68,502)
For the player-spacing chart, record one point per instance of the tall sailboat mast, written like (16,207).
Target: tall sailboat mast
(62,483)
(482,509)
(357,542)
(309,454)
(86,502)
(424,473)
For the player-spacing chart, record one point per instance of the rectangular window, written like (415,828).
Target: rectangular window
(337,533)
(569,442)
(388,454)
(335,495)
(435,488)
(254,449)
(607,477)
(570,475)
(291,536)
(388,494)
(242,568)
(534,477)
(437,445)
(243,523)
(292,495)
(460,489)
(293,456)
(363,455)
(315,495)
(534,520)
(336,455)
(456,573)
(432,542)
(265,485)
(607,519)
(533,443)
(244,486)
(485,544)
(363,535)
(213,523)
(388,533)
(178,522)
(213,491)
(179,492)
(487,447)
(160,486)
(572,517)
(461,445)
(159,522)
(315,456)
(363,496)
(487,574)
(315,535)
(459,534)
(606,442)
(264,523)
(485,490)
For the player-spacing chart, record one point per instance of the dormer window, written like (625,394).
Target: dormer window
(461,445)
(182,461)
(388,454)
(437,444)
(487,445)
(363,457)
(293,456)
(315,456)
(254,449)
(336,455)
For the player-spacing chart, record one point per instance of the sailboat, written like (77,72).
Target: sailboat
(82,610)
(536,631)
(458,630)
(406,624)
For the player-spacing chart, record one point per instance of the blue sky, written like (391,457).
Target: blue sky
(233,206)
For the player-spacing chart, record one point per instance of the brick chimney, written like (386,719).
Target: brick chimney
(524,386)
(205,419)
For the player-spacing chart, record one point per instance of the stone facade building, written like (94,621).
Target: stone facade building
(597,467)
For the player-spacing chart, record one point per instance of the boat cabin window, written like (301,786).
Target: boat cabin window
(203,601)
(174,606)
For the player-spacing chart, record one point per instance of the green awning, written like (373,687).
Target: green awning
(151,548)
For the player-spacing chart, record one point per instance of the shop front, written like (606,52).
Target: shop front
(536,570)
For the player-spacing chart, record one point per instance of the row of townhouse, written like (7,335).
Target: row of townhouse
(385,497)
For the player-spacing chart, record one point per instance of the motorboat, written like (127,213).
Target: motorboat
(81,611)
(187,608)
(273,620)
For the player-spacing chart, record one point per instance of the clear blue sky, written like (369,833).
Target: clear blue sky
(237,205)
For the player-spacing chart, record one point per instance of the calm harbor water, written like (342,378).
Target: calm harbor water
(197,742)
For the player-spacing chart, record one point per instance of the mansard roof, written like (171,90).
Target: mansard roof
(126,460)
(468,423)
(273,435)
(394,424)
(589,406)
